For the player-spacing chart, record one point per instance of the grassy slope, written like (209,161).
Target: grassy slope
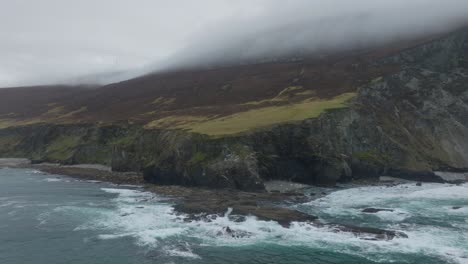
(254,119)
(212,101)
(290,104)
(215,101)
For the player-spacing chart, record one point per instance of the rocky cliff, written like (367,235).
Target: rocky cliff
(405,122)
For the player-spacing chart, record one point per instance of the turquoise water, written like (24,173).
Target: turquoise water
(48,219)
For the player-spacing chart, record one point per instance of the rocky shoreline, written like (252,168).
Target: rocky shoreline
(199,204)
(202,204)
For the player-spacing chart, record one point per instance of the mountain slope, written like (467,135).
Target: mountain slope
(193,98)
(399,111)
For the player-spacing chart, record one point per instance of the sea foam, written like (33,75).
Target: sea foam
(152,223)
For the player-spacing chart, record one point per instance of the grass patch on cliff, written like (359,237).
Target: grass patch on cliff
(62,148)
(6,123)
(292,92)
(181,121)
(265,117)
(372,156)
(198,157)
(55,110)
(8,143)
(55,115)
(163,101)
(124,140)
(76,112)
(253,119)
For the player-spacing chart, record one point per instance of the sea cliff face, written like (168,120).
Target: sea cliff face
(406,124)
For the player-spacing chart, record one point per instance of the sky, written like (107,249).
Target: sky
(69,41)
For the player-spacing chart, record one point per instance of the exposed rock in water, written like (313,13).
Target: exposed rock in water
(208,205)
(284,217)
(227,231)
(126,214)
(206,211)
(368,233)
(376,210)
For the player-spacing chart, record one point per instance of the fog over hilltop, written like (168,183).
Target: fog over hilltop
(60,41)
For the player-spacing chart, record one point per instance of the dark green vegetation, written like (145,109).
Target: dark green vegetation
(405,115)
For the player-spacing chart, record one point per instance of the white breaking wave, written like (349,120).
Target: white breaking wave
(151,221)
(53,180)
(93,181)
(183,251)
(405,199)
(431,203)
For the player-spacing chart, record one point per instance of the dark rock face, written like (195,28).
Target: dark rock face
(407,124)
(206,205)
(404,125)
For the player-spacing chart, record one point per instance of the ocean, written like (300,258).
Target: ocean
(53,219)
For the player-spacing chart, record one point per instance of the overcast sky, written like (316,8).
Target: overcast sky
(49,41)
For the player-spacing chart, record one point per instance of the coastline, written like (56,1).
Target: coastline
(201,204)
(188,200)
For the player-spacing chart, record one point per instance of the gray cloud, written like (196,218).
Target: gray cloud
(300,27)
(51,41)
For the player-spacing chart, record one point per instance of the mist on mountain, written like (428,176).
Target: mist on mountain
(110,41)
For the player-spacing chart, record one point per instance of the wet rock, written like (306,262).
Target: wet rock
(376,210)
(414,175)
(237,218)
(126,214)
(369,233)
(419,184)
(227,231)
(198,204)
(283,216)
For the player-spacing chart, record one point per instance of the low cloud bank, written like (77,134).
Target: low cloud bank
(112,40)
